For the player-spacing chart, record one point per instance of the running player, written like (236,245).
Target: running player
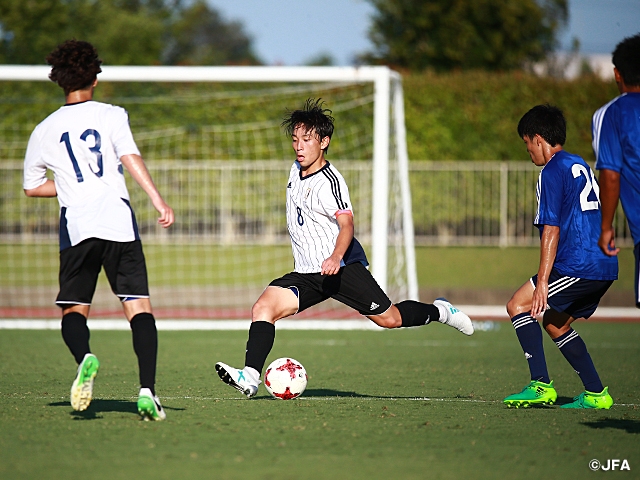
(329,261)
(616,143)
(86,143)
(573,273)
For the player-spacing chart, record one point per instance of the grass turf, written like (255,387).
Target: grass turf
(462,267)
(412,403)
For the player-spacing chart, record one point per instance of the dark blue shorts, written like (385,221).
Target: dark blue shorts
(577,297)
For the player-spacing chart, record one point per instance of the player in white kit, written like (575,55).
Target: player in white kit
(329,260)
(86,144)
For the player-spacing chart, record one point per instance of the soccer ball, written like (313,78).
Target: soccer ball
(285,378)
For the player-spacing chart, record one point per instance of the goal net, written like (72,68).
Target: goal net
(212,140)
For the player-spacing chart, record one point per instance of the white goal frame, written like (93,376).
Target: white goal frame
(387,91)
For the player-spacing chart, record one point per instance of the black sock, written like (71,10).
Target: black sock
(259,344)
(415,313)
(145,344)
(76,334)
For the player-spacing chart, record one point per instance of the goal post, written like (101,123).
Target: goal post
(389,229)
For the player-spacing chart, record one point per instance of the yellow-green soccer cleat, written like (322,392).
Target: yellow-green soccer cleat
(588,399)
(536,393)
(82,387)
(149,406)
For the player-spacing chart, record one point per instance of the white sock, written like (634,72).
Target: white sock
(444,313)
(253,373)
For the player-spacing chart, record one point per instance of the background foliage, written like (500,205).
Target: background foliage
(449,34)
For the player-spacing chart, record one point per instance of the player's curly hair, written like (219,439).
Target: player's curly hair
(544,120)
(626,58)
(313,117)
(74,65)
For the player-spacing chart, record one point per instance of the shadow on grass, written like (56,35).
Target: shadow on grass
(630,426)
(98,406)
(326,392)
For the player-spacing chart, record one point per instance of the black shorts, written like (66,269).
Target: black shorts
(353,285)
(577,297)
(80,266)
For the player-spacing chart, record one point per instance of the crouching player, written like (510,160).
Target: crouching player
(573,274)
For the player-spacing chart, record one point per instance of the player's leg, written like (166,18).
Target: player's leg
(126,270)
(355,286)
(276,302)
(79,269)
(581,298)
(540,389)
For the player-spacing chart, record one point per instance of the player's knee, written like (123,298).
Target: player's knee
(263,310)
(514,307)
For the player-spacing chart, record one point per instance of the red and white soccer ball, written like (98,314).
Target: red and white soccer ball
(285,378)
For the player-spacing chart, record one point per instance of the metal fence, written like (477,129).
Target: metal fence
(454,203)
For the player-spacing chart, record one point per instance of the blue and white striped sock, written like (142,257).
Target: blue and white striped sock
(530,336)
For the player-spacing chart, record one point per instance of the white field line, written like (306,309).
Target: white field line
(193,325)
(327,398)
(486,314)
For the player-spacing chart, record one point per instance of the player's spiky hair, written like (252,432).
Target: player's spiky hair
(626,58)
(546,121)
(313,117)
(74,65)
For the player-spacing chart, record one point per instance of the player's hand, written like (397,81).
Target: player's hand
(330,266)
(166,214)
(607,242)
(539,301)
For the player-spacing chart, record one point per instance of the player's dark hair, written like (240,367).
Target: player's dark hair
(313,117)
(546,121)
(626,58)
(74,65)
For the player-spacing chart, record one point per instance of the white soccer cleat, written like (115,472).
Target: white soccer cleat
(239,379)
(149,406)
(455,318)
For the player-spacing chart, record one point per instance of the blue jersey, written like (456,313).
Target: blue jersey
(568,197)
(616,143)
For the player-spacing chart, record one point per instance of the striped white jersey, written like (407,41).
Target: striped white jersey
(313,205)
(82,144)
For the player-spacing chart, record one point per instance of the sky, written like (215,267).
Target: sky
(292,32)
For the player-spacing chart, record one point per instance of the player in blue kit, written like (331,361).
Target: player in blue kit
(616,144)
(86,144)
(328,260)
(573,274)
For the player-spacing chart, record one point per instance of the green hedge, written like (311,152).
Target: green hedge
(453,116)
(474,115)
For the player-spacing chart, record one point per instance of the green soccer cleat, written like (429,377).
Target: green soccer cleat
(149,406)
(82,387)
(536,393)
(588,399)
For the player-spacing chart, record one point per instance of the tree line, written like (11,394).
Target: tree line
(416,35)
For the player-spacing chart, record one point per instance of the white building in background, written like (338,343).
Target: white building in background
(572,65)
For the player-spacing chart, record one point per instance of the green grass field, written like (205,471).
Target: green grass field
(462,267)
(412,404)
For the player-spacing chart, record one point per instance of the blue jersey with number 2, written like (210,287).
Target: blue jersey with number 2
(569,198)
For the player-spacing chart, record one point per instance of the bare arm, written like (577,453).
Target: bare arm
(548,250)
(609,181)
(138,170)
(331,265)
(47,189)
